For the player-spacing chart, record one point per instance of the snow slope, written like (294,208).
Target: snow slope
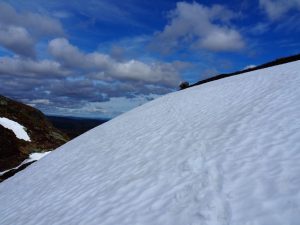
(226,152)
(17,128)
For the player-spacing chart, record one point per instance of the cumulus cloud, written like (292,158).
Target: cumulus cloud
(36,23)
(62,50)
(69,78)
(275,9)
(75,80)
(200,27)
(225,40)
(31,68)
(104,67)
(17,39)
(19,30)
(164,73)
(76,95)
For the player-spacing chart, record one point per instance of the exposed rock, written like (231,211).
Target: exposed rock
(44,136)
(10,145)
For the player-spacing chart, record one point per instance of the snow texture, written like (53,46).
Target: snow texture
(18,129)
(223,153)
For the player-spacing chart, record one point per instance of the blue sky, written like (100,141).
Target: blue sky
(101,58)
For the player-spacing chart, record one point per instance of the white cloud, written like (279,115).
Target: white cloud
(226,40)
(105,67)
(30,68)
(275,9)
(155,72)
(36,102)
(19,30)
(17,39)
(71,56)
(36,23)
(198,26)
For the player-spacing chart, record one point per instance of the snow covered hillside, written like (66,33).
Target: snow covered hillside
(226,152)
(18,129)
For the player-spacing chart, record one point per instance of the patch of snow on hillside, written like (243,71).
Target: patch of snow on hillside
(38,155)
(249,67)
(32,157)
(17,128)
(223,153)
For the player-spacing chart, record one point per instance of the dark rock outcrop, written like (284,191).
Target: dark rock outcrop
(10,149)
(44,136)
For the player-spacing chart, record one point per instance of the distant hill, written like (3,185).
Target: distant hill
(74,126)
(262,66)
(43,135)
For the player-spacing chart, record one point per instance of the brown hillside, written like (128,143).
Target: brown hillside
(44,136)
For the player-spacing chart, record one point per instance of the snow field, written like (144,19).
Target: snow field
(223,153)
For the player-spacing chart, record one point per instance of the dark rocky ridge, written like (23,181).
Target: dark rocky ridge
(44,136)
